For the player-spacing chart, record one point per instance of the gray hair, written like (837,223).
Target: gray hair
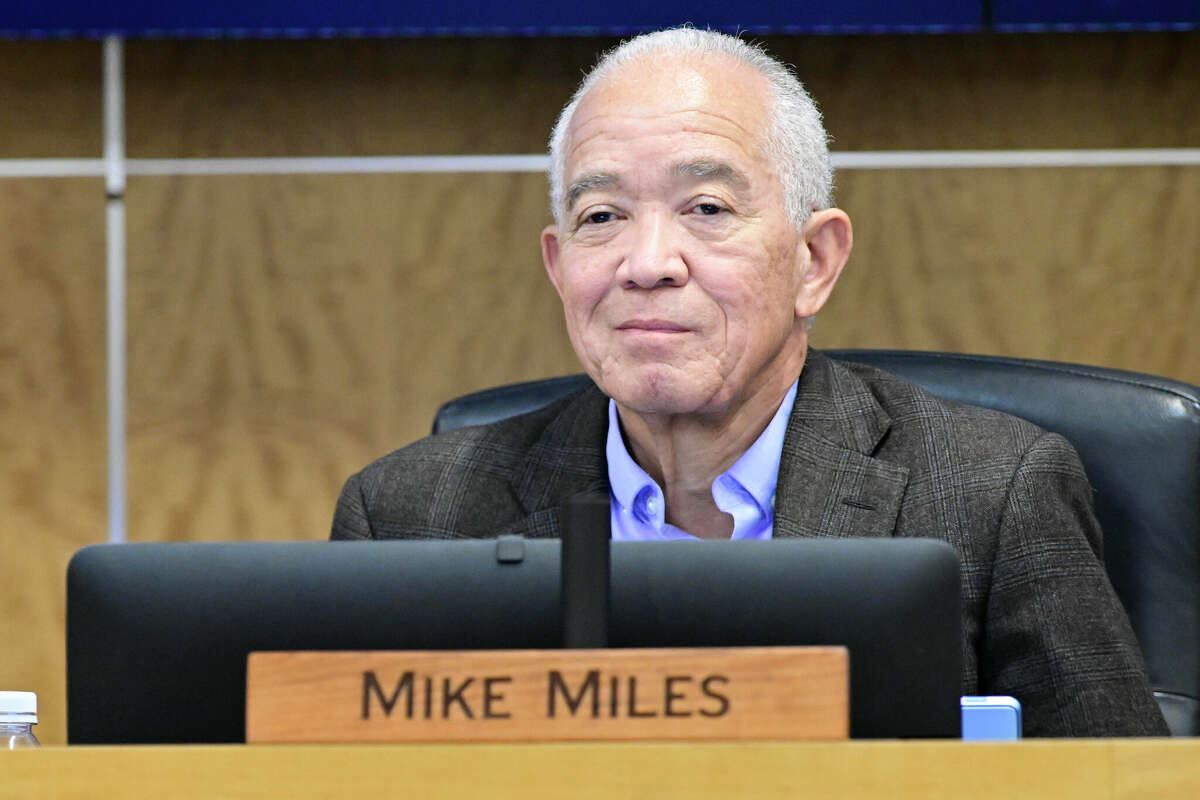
(795,141)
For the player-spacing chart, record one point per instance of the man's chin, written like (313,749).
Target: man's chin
(654,393)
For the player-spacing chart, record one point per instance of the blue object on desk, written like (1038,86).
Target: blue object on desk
(993,718)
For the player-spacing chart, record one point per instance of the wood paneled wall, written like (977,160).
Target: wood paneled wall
(284,330)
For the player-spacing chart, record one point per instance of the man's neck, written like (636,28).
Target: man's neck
(685,454)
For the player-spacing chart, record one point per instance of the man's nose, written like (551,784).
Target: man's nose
(654,257)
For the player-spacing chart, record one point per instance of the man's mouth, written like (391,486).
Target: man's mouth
(653,326)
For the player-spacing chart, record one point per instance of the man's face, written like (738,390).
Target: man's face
(680,274)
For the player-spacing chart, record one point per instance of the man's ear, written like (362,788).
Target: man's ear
(828,238)
(550,255)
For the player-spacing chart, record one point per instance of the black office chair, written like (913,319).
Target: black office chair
(1139,438)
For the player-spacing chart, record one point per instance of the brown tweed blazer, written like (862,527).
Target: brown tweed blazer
(865,454)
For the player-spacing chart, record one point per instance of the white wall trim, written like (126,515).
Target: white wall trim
(972,159)
(338,164)
(882,159)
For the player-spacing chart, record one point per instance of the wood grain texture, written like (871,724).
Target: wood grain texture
(984,91)
(1061,770)
(285,331)
(50,99)
(615,694)
(1094,266)
(348,97)
(1143,771)
(52,434)
(404,96)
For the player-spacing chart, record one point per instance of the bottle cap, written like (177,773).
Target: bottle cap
(18,707)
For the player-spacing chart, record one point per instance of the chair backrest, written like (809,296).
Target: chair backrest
(1139,438)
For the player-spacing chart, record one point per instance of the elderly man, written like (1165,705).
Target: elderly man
(694,240)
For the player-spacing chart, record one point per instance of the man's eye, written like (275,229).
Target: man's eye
(708,209)
(598,218)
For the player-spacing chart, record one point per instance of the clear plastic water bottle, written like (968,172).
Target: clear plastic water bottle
(18,715)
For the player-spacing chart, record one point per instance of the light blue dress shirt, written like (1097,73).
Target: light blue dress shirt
(746,490)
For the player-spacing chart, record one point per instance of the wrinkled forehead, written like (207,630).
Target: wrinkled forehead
(712,93)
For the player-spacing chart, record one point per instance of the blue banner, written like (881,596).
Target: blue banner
(185,18)
(1033,15)
(323,18)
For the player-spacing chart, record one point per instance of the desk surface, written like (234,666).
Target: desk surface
(1088,769)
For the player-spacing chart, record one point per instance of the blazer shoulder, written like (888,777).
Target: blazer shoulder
(910,405)
(454,484)
(501,446)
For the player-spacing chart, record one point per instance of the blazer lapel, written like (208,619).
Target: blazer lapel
(829,483)
(566,460)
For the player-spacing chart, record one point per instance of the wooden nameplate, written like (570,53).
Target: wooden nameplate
(728,693)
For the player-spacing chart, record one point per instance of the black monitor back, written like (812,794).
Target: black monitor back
(158,634)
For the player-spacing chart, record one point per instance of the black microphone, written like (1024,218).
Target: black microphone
(585,571)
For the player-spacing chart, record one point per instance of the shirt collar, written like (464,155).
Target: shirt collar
(625,477)
(757,471)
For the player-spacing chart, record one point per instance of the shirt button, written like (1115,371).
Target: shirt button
(652,505)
